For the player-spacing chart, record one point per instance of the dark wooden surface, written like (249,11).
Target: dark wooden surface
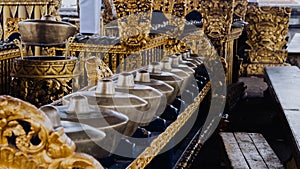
(249,150)
(284,85)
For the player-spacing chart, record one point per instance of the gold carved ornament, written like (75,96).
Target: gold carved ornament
(268,27)
(107,14)
(28,140)
(192,5)
(133,33)
(53,9)
(217,21)
(134,20)
(164,6)
(22,2)
(266,32)
(172,45)
(217,17)
(240,8)
(201,45)
(11,26)
(44,82)
(264,55)
(258,68)
(127,7)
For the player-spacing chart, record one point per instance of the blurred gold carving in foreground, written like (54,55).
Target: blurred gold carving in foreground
(28,140)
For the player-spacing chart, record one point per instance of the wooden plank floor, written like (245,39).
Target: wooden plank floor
(254,114)
(249,150)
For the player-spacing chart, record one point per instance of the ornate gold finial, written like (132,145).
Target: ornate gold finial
(28,140)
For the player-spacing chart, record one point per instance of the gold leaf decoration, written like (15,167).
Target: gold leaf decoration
(38,146)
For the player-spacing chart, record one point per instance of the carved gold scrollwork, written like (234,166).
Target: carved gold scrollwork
(28,140)
(48,51)
(171,45)
(268,27)
(134,21)
(201,45)
(179,8)
(266,56)
(192,5)
(11,26)
(240,8)
(107,15)
(53,9)
(42,82)
(217,17)
(267,31)
(127,7)
(134,30)
(16,2)
(164,6)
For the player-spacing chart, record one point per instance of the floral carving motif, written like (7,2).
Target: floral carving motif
(28,140)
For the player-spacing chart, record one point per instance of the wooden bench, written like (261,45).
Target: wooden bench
(284,85)
(249,150)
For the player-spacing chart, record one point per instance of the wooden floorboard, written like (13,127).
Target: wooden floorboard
(233,151)
(249,151)
(266,151)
